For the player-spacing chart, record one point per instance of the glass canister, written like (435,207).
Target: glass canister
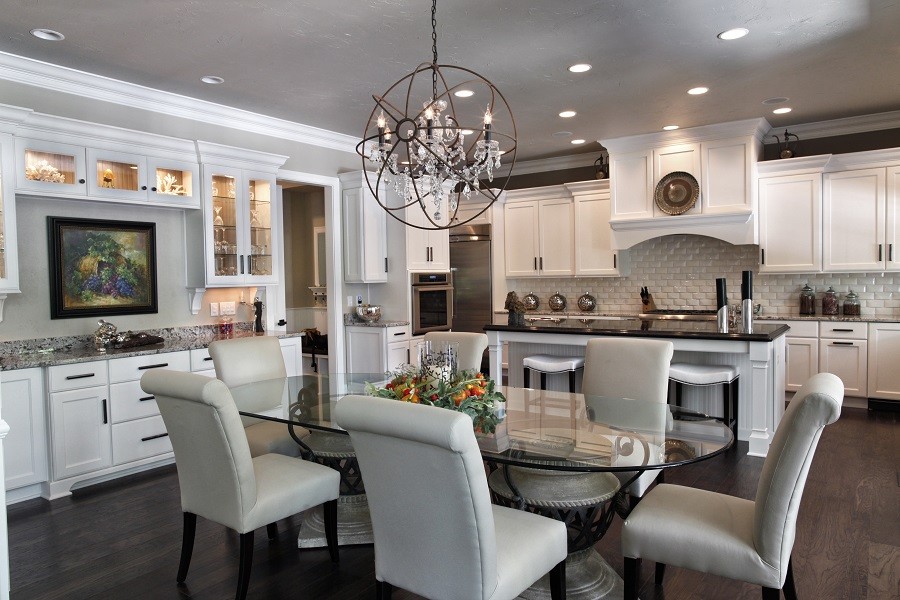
(851,305)
(830,303)
(807,301)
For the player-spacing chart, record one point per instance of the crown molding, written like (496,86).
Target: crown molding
(559,163)
(20,69)
(794,166)
(755,128)
(846,126)
(212,153)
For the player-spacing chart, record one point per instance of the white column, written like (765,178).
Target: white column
(4,542)
(761,422)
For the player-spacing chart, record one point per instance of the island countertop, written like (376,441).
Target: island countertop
(704,330)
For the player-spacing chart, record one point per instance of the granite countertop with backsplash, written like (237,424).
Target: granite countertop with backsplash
(47,352)
(568,314)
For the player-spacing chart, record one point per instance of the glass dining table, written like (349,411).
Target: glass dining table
(554,453)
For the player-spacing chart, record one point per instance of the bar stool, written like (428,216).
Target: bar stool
(545,363)
(703,375)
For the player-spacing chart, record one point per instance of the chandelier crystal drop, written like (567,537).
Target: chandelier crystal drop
(429,153)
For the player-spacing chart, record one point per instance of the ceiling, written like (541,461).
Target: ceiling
(319,62)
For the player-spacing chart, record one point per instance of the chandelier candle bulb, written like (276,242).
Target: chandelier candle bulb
(488,119)
(381,124)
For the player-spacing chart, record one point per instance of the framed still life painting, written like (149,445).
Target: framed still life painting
(100,267)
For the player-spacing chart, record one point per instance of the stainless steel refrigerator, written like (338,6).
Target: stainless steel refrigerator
(470,261)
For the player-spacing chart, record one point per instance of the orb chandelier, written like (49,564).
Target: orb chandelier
(432,137)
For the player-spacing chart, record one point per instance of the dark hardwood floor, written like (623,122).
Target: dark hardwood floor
(122,539)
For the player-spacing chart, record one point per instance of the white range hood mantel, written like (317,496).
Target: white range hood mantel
(721,157)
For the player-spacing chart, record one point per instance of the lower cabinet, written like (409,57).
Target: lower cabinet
(884,359)
(80,431)
(376,349)
(25,446)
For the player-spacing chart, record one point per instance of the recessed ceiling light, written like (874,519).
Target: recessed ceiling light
(580,68)
(463,93)
(48,34)
(698,90)
(733,34)
(212,79)
(568,114)
(562,133)
(775,100)
(578,141)
(467,131)
(782,111)
(670,127)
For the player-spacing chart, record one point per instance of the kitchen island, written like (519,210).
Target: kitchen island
(758,356)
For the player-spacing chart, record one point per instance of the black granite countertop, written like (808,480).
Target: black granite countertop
(707,330)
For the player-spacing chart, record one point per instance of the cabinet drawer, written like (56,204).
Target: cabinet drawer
(854,331)
(398,333)
(799,328)
(128,401)
(139,439)
(201,360)
(80,375)
(131,368)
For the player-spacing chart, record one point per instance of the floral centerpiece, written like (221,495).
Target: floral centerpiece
(464,391)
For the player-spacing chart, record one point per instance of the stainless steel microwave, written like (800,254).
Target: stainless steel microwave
(432,302)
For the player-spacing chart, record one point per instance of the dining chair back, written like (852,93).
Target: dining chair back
(748,540)
(471,346)
(239,361)
(218,478)
(619,367)
(436,532)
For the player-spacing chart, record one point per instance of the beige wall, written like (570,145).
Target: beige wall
(303,210)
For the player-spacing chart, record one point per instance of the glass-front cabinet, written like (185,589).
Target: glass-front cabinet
(50,167)
(173,182)
(239,223)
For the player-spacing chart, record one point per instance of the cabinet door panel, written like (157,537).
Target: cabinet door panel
(790,223)
(682,157)
(557,241)
(630,178)
(802,362)
(593,238)
(892,229)
(726,166)
(50,167)
(521,240)
(80,437)
(848,360)
(25,446)
(884,348)
(853,220)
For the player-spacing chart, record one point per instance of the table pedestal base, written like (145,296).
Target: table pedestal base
(354,524)
(588,577)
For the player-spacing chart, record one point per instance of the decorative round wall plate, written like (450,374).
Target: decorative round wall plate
(677,193)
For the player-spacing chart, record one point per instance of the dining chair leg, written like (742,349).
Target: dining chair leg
(632,577)
(771,593)
(272,530)
(246,562)
(331,529)
(678,391)
(660,573)
(527,377)
(790,589)
(187,545)
(558,581)
(543,381)
(383,590)
(571,382)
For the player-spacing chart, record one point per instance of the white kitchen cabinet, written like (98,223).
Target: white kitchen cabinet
(853,220)
(729,180)
(364,232)
(883,360)
(240,226)
(594,254)
(25,446)
(892,219)
(376,349)
(539,235)
(290,350)
(427,249)
(790,223)
(677,158)
(80,431)
(848,359)
(802,353)
(51,168)
(631,183)
(202,363)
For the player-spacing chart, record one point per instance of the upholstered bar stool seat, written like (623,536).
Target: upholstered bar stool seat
(703,375)
(545,363)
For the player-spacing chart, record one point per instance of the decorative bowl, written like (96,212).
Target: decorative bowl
(586,302)
(557,302)
(531,301)
(370,313)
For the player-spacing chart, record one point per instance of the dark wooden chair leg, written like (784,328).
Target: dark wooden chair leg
(543,381)
(272,530)
(660,573)
(571,382)
(527,379)
(771,593)
(187,545)
(678,391)
(632,578)
(246,562)
(383,590)
(331,529)
(790,589)
(558,581)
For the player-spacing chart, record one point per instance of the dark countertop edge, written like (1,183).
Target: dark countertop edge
(694,335)
(762,317)
(86,354)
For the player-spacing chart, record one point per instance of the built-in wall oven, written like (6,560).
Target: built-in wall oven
(432,302)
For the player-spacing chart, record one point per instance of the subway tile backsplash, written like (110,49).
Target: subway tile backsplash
(681,271)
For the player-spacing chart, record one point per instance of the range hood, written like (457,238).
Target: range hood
(721,158)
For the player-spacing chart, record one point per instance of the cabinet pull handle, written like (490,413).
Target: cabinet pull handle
(541,261)
(841,343)
(154,437)
(105,420)
(891,252)
(385,264)
(879,251)
(400,333)
(145,398)
(842,330)
(153,189)
(82,376)
(81,181)
(535,263)
(156,366)
(614,260)
(144,188)
(763,259)
(208,358)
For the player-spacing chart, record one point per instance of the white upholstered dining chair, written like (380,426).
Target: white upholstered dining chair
(471,346)
(218,478)
(436,532)
(748,540)
(620,367)
(240,361)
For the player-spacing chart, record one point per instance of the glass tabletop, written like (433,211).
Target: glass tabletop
(542,429)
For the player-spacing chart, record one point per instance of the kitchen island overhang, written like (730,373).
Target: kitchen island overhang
(759,357)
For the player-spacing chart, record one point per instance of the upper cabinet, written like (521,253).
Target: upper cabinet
(9,264)
(853,220)
(790,223)
(594,254)
(427,249)
(364,232)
